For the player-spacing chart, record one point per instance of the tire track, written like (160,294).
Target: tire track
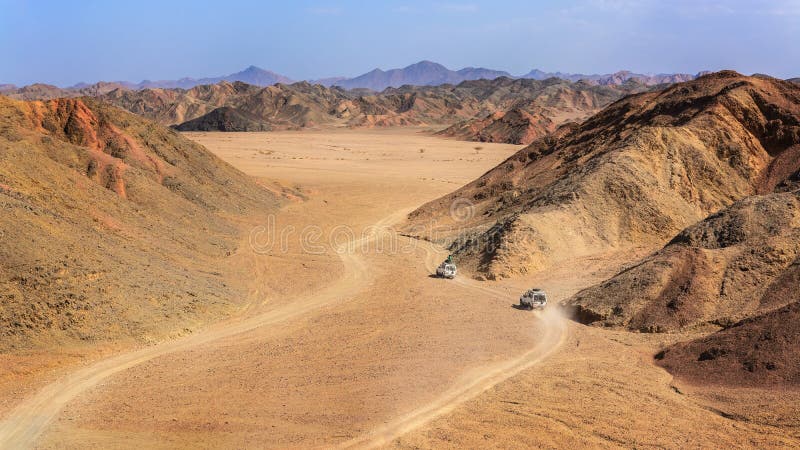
(22,427)
(471,384)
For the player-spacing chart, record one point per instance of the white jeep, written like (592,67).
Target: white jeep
(533,299)
(446,270)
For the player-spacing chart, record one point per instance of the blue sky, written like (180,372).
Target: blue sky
(66,42)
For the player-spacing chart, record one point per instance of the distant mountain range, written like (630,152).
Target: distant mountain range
(39,91)
(616,77)
(251,75)
(538,106)
(423,73)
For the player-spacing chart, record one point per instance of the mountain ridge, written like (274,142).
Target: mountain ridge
(422,73)
(618,77)
(303,105)
(632,175)
(96,201)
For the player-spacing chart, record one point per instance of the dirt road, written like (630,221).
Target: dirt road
(467,387)
(366,349)
(23,426)
(26,423)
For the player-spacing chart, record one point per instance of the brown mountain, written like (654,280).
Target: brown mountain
(37,91)
(303,104)
(174,106)
(515,126)
(274,107)
(633,175)
(498,110)
(40,91)
(756,352)
(741,262)
(739,270)
(542,112)
(113,227)
(224,119)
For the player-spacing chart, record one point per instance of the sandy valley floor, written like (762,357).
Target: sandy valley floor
(363,348)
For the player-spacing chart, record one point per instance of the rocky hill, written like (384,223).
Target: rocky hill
(224,119)
(37,91)
(113,227)
(40,91)
(633,175)
(761,351)
(302,105)
(740,262)
(539,113)
(273,107)
(737,270)
(515,126)
(174,106)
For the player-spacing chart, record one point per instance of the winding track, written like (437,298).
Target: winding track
(467,387)
(471,384)
(28,420)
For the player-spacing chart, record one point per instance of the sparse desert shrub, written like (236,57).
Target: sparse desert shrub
(116,147)
(91,169)
(711,354)
(171,183)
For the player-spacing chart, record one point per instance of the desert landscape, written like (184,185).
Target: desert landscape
(257,260)
(366,349)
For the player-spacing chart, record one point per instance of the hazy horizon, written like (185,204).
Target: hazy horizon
(59,44)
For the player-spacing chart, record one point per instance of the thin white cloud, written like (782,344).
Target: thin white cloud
(782,8)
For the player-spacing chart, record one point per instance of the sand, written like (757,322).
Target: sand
(366,349)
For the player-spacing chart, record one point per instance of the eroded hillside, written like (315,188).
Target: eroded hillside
(756,352)
(241,107)
(534,116)
(738,263)
(112,226)
(633,175)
